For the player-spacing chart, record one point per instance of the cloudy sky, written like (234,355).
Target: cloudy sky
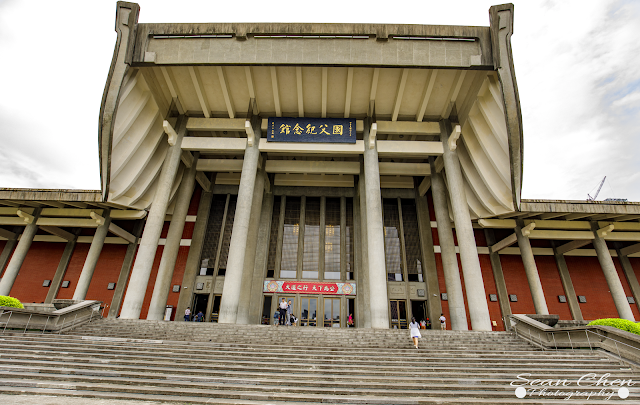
(577,65)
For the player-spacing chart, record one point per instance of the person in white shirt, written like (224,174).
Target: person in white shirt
(283,311)
(443,322)
(187,314)
(414,329)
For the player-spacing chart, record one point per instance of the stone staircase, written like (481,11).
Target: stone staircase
(197,363)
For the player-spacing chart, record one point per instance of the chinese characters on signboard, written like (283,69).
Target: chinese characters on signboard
(325,130)
(303,287)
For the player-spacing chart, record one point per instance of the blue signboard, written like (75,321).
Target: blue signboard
(325,130)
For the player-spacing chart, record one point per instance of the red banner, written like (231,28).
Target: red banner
(305,287)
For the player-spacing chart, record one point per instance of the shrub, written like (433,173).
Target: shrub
(622,324)
(10,302)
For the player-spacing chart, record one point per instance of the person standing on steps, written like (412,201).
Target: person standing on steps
(276,317)
(289,312)
(350,321)
(443,322)
(283,311)
(414,329)
(187,314)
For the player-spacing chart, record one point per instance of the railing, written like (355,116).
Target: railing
(16,319)
(623,345)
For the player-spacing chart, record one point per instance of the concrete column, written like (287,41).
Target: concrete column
(567,284)
(7,251)
(631,276)
(262,256)
(429,270)
(530,268)
(250,251)
(61,270)
(359,251)
(378,301)
(240,232)
(476,297)
(172,246)
(92,259)
(10,274)
(455,297)
(498,276)
(132,305)
(125,270)
(611,275)
(192,268)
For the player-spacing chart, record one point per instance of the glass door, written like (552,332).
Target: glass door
(308,311)
(398,314)
(332,312)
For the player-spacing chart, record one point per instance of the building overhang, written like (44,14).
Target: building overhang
(394,75)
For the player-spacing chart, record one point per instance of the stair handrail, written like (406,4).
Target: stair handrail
(615,338)
(62,319)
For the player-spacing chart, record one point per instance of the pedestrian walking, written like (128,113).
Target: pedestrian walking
(187,314)
(200,317)
(443,322)
(350,321)
(414,330)
(276,317)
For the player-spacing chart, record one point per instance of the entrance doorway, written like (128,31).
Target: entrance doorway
(419,310)
(332,312)
(215,310)
(200,302)
(398,312)
(308,311)
(266,310)
(288,298)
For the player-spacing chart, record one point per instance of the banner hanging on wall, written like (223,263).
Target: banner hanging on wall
(314,130)
(303,287)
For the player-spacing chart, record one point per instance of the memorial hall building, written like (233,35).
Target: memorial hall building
(368,170)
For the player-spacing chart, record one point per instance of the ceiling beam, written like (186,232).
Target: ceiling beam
(424,186)
(68,222)
(216,124)
(7,234)
(347,101)
(187,158)
(69,212)
(252,92)
(404,169)
(224,84)
(173,90)
(215,145)
(312,166)
(313,180)
(399,94)
(629,250)
(408,149)
(202,97)
(453,93)
(54,230)
(276,91)
(569,246)
(550,215)
(324,92)
(116,230)
(428,89)
(300,93)
(504,243)
(373,91)
(580,215)
(219,165)
(408,128)
(204,182)
(560,235)
(330,149)
(128,214)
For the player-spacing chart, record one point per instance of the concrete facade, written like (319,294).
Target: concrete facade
(422,215)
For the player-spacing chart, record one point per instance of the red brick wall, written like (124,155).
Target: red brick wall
(516,280)
(107,271)
(40,264)
(588,280)
(625,285)
(2,245)
(490,288)
(552,286)
(74,269)
(443,289)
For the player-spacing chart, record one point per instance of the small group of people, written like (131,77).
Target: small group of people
(284,314)
(414,328)
(199,317)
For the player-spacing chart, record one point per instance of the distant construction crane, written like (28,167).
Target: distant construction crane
(589,198)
